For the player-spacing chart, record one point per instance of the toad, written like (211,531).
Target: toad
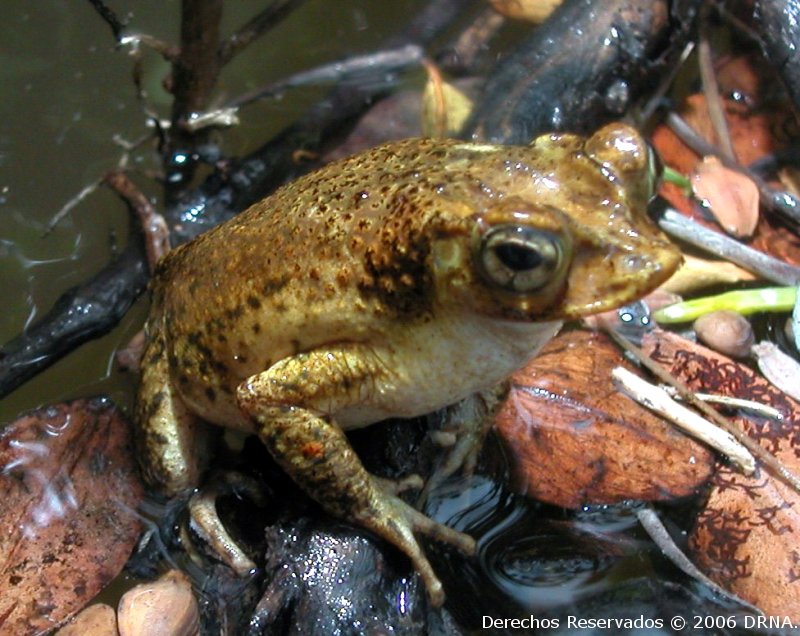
(389,284)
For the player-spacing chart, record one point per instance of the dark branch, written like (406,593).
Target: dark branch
(194,76)
(256,27)
(110,18)
(84,312)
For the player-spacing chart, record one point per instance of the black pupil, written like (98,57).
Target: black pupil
(518,257)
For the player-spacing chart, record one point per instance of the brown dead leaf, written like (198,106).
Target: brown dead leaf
(747,538)
(68,486)
(731,196)
(574,439)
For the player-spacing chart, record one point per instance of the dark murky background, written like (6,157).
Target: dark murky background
(66,93)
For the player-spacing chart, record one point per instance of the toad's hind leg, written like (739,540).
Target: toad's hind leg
(173,443)
(174,451)
(291,403)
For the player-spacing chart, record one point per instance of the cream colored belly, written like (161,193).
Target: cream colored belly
(440,364)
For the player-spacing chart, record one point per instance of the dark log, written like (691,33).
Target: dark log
(776,23)
(84,312)
(585,66)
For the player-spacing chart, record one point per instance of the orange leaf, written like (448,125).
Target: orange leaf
(731,196)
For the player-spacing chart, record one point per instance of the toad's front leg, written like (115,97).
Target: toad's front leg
(294,404)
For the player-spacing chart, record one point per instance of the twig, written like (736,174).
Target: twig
(776,467)
(716,110)
(658,400)
(652,524)
(194,76)
(110,18)
(196,70)
(770,268)
(782,202)
(70,205)
(80,314)
(255,28)
(155,229)
(342,70)
(751,406)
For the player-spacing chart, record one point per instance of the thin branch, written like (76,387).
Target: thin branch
(194,77)
(71,205)
(658,533)
(723,246)
(716,108)
(784,203)
(342,70)
(195,72)
(255,28)
(156,232)
(110,18)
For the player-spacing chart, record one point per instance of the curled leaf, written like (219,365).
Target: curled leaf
(781,370)
(444,108)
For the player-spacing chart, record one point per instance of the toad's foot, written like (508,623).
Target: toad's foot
(206,524)
(393,519)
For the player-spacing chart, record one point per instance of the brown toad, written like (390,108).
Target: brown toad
(389,284)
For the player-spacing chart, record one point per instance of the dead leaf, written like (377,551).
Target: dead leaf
(574,439)
(445,108)
(68,487)
(746,537)
(697,273)
(731,196)
(755,132)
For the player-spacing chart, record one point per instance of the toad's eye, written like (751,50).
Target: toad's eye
(520,259)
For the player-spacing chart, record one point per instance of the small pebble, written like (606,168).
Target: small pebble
(96,620)
(166,607)
(725,331)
